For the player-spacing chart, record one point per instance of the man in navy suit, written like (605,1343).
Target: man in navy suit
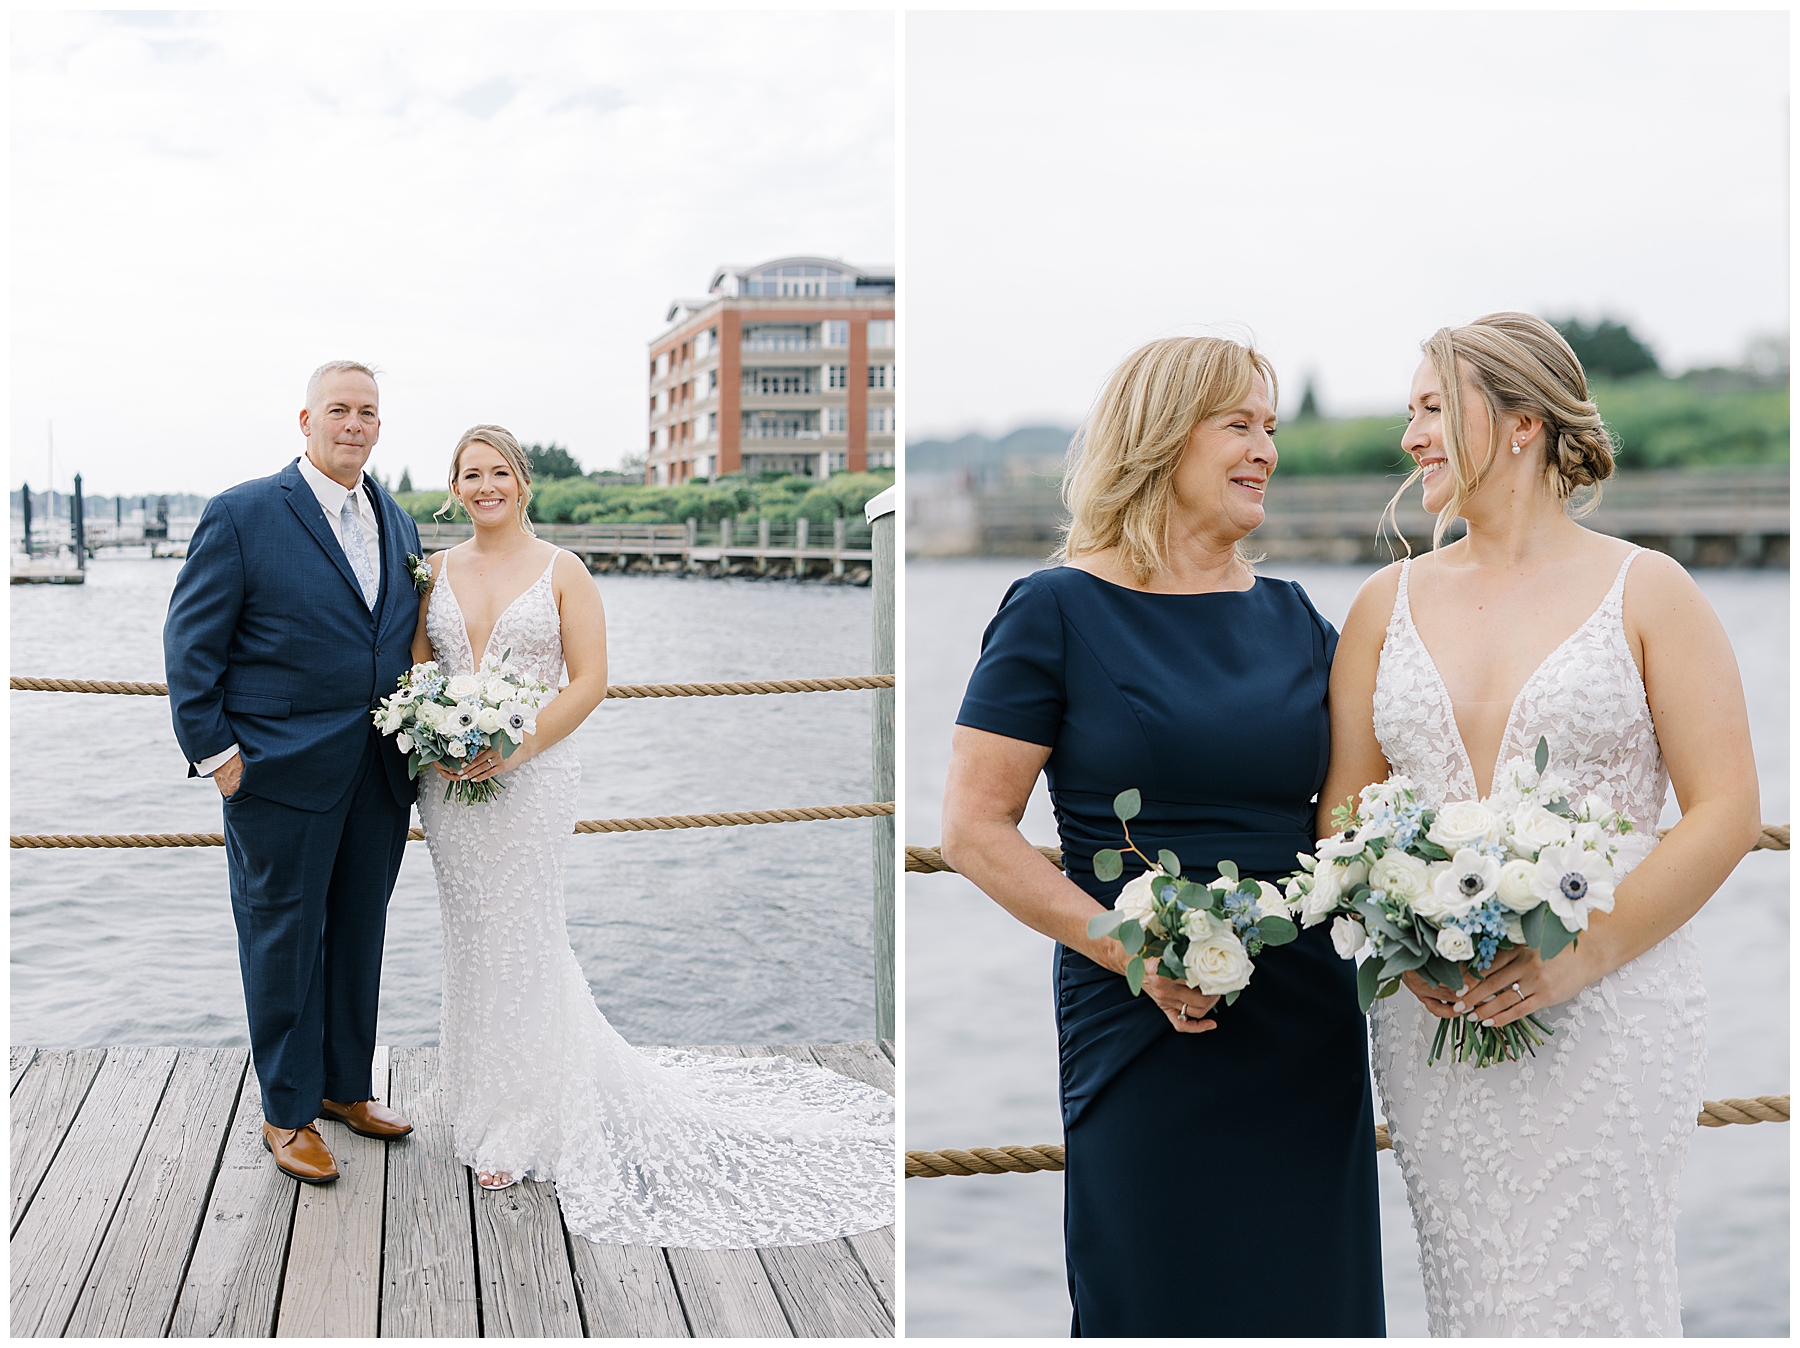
(292,618)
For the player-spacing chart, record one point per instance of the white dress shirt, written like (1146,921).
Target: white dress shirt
(331,500)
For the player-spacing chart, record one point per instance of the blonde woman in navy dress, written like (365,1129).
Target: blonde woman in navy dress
(1155,658)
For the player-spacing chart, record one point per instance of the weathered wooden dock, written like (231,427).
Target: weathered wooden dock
(788,547)
(144,1205)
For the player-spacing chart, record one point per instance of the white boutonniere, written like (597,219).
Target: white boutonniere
(420,571)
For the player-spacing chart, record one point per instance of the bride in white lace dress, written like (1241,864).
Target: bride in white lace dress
(673,1149)
(1543,1191)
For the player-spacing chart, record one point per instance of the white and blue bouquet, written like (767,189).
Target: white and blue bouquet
(436,717)
(1205,934)
(1445,889)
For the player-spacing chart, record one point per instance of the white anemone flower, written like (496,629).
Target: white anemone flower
(1465,884)
(1574,882)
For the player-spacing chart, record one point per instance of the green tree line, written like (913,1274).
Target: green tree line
(581,500)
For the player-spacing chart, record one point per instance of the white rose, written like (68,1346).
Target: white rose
(1453,943)
(1463,822)
(1218,965)
(1535,828)
(1135,900)
(497,690)
(1200,926)
(464,686)
(1326,894)
(488,719)
(1270,901)
(1348,936)
(1574,883)
(1515,888)
(1401,875)
(1515,929)
(403,742)
(426,713)
(455,749)
(1464,885)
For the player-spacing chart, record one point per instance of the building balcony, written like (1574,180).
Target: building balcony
(782,343)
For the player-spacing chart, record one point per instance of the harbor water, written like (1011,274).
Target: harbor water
(756,935)
(984,1254)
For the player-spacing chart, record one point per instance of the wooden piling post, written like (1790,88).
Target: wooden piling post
(880,511)
(800,531)
(762,544)
(837,546)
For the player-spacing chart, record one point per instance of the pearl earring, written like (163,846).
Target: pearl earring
(1515,446)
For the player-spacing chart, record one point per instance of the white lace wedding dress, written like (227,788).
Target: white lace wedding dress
(1543,1191)
(647,1148)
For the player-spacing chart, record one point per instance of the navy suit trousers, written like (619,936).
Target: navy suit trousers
(309,892)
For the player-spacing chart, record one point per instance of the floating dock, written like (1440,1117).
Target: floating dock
(144,1205)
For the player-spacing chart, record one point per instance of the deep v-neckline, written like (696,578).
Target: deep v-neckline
(1512,711)
(462,618)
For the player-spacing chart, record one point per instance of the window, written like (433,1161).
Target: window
(878,376)
(662,365)
(881,332)
(881,458)
(781,337)
(712,425)
(837,376)
(774,382)
(712,381)
(881,421)
(837,332)
(837,420)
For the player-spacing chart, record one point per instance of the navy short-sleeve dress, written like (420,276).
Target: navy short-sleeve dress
(1219,1183)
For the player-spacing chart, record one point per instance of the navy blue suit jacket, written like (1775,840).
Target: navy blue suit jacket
(269,644)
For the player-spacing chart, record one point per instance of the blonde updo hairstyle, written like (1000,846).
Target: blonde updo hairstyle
(1120,485)
(1518,365)
(503,442)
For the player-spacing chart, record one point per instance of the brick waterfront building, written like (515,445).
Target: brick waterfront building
(787,366)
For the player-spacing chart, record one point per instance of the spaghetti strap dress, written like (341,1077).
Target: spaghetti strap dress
(1219,1183)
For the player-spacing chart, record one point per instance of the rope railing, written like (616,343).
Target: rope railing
(738,688)
(1049,1156)
(930,860)
(724,819)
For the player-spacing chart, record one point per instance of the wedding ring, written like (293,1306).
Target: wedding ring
(1517,993)
(1182,1014)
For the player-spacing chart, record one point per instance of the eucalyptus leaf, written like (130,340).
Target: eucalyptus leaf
(1445,973)
(1229,870)
(1131,935)
(1556,938)
(1368,979)
(1388,989)
(1108,864)
(1231,997)
(1169,862)
(1428,849)
(1171,964)
(1276,930)
(1404,960)
(1104,924)
(1533,923)
(507,747)
(1543,754)
(1134,976)
(1127,804)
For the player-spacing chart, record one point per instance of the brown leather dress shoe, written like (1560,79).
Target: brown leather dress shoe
(370,1118)
(300,1152)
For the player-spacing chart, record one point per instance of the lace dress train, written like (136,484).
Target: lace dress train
(1543,1191)
(669,1147)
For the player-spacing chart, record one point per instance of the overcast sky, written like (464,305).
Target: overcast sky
(1338,185)
(493,209)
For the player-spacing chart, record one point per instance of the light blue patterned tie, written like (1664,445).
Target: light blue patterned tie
(357,548)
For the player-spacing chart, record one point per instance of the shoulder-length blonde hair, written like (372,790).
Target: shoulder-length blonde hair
(1120,483)
(1517,365)
(502,442)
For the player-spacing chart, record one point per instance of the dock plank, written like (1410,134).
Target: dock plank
(726,1294)
(626,1291)
(234,1278)
(522,1262)
(860,1062)
(20,1059)
(332,1287)
(876,1251)
(132,1288)
(61,1231)
(44,1104)
(428,1271)
(825,1292)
